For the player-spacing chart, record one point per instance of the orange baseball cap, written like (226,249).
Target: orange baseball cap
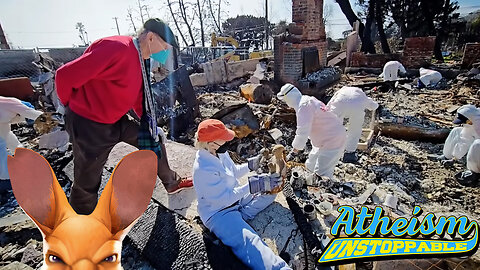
(211,130)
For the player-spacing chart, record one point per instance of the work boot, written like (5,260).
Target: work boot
(350,157)
(468,178)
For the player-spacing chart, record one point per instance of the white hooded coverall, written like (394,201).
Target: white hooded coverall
(390,71)
(224,205)
(351,102)
(428,76)
(12,110)
(466,139)
(324,128)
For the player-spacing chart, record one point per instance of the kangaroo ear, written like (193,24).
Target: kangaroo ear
(37,190)
(128,192)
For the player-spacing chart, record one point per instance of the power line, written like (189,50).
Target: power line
(52,32)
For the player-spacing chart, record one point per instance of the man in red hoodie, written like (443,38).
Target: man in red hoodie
(104,92)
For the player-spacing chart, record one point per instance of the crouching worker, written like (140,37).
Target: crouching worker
(351,102)
(12,111)
(323,127)
(224,204)
(464,140)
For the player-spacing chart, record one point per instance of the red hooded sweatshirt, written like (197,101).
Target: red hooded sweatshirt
(105,82)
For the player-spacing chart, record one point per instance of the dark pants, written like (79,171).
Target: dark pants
(92,143)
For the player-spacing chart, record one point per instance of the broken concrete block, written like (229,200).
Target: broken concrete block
(56,139)
(31,255)
(391,201)
(68,170)
(198,79)
(17,266)
(240,69)
(276,134)
(215,71)
(235,71)
(257,93)
(15,218)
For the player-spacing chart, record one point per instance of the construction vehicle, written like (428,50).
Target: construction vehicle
(237,53)
(220,51)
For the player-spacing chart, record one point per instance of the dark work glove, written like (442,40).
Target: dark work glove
(264,183)
(447,162)
(291,156)
(254,162)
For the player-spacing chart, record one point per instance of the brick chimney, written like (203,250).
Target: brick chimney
(304,48)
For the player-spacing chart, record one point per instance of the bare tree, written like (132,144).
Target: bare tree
(184,11)
(142,8)
(130,18)
(200,17)
(82,34)
(352,18)
(380,18)
(174,17)
(216,20)
(194,20)
(137,14)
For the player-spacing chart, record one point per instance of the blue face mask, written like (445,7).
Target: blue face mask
(161,56)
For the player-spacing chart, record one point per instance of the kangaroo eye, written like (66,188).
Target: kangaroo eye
(112,258)
(54,259)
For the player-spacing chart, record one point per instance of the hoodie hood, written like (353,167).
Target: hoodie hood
(290,95)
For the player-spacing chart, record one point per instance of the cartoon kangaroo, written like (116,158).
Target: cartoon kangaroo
(72,241)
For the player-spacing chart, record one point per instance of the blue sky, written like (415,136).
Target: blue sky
(51,23)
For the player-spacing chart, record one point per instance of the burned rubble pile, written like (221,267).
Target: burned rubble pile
(396,169)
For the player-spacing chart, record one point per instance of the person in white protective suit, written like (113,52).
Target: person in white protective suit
(464,141)
(351,102)
(428,77)
(324,128)
(224,204)
(12,111)
(391,70)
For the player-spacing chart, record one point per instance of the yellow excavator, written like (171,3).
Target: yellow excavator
(232,56)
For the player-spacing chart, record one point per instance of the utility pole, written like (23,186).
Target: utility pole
(266,24)
(116,22)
